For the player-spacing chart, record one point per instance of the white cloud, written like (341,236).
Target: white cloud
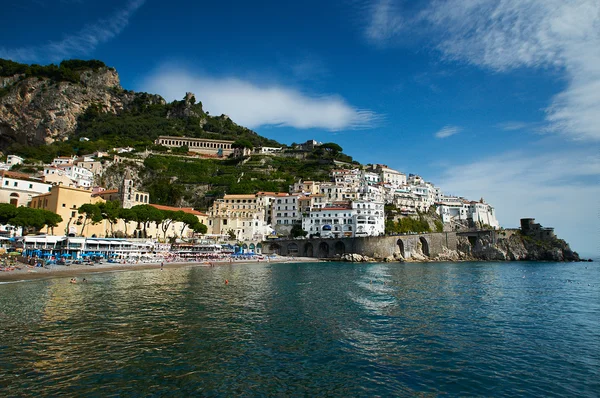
(254,105)
(559,189)
(83,42)
(506,34)
(448,131)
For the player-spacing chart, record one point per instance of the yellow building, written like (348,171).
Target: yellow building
(65,201)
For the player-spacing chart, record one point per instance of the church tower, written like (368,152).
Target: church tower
(126,192)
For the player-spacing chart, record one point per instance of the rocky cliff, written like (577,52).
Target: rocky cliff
(516,247)
(40,110)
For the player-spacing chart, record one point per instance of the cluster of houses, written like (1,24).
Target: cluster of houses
(350,204)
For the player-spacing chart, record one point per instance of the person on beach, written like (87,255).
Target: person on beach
(73,280)
(162,263)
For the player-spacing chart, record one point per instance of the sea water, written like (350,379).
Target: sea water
(307,329)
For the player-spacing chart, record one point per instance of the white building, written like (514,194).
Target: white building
(370,218)
(330,222)
(267,150)
(388,176)
(461,213)
(63,160)
(285,211)
(18,188)
(359,219)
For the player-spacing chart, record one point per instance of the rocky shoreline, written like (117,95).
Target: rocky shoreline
(514,247)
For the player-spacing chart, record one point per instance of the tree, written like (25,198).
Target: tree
(51,219)
(110,212)
(7,212)
(31,220)
(199,228)
(146,214)
(188,220)
(332,148)
(90,212)
(242,143)
(297,231)
(168,218)
(127,215)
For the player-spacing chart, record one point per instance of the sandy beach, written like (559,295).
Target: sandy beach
(75,270)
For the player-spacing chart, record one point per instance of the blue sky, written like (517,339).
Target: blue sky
(486,98)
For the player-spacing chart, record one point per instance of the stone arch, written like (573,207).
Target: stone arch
(308,250)
(244,248)
(252,248)
(323,250)
(275,248)
(400,244)
(424,246)
(292,249)
(339,248)
(472,241)
(14,199)
(258,248)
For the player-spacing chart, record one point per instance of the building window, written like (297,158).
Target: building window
(72,214)
(15,184)
(64,205)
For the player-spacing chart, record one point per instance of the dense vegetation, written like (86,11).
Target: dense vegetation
(144,121)
(31,220)
(67,70)
(233,176)
(141,214)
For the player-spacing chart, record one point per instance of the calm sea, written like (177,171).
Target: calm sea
(315,329)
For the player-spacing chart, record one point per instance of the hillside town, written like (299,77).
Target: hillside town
(351,204)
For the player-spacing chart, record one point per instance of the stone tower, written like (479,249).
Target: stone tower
(126,192)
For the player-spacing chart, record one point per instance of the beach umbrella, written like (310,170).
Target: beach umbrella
(14,254)
(65,255)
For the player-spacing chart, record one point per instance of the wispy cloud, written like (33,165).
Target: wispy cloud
(552,187)
(448,131)
(516,125)
(384,21)
(254,105)
(80,43)
(508,34)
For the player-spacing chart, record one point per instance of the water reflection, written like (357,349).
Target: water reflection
(305,329)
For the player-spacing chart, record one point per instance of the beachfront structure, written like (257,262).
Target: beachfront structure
(241,216)
(19,189)
(221,148)
(46,246)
